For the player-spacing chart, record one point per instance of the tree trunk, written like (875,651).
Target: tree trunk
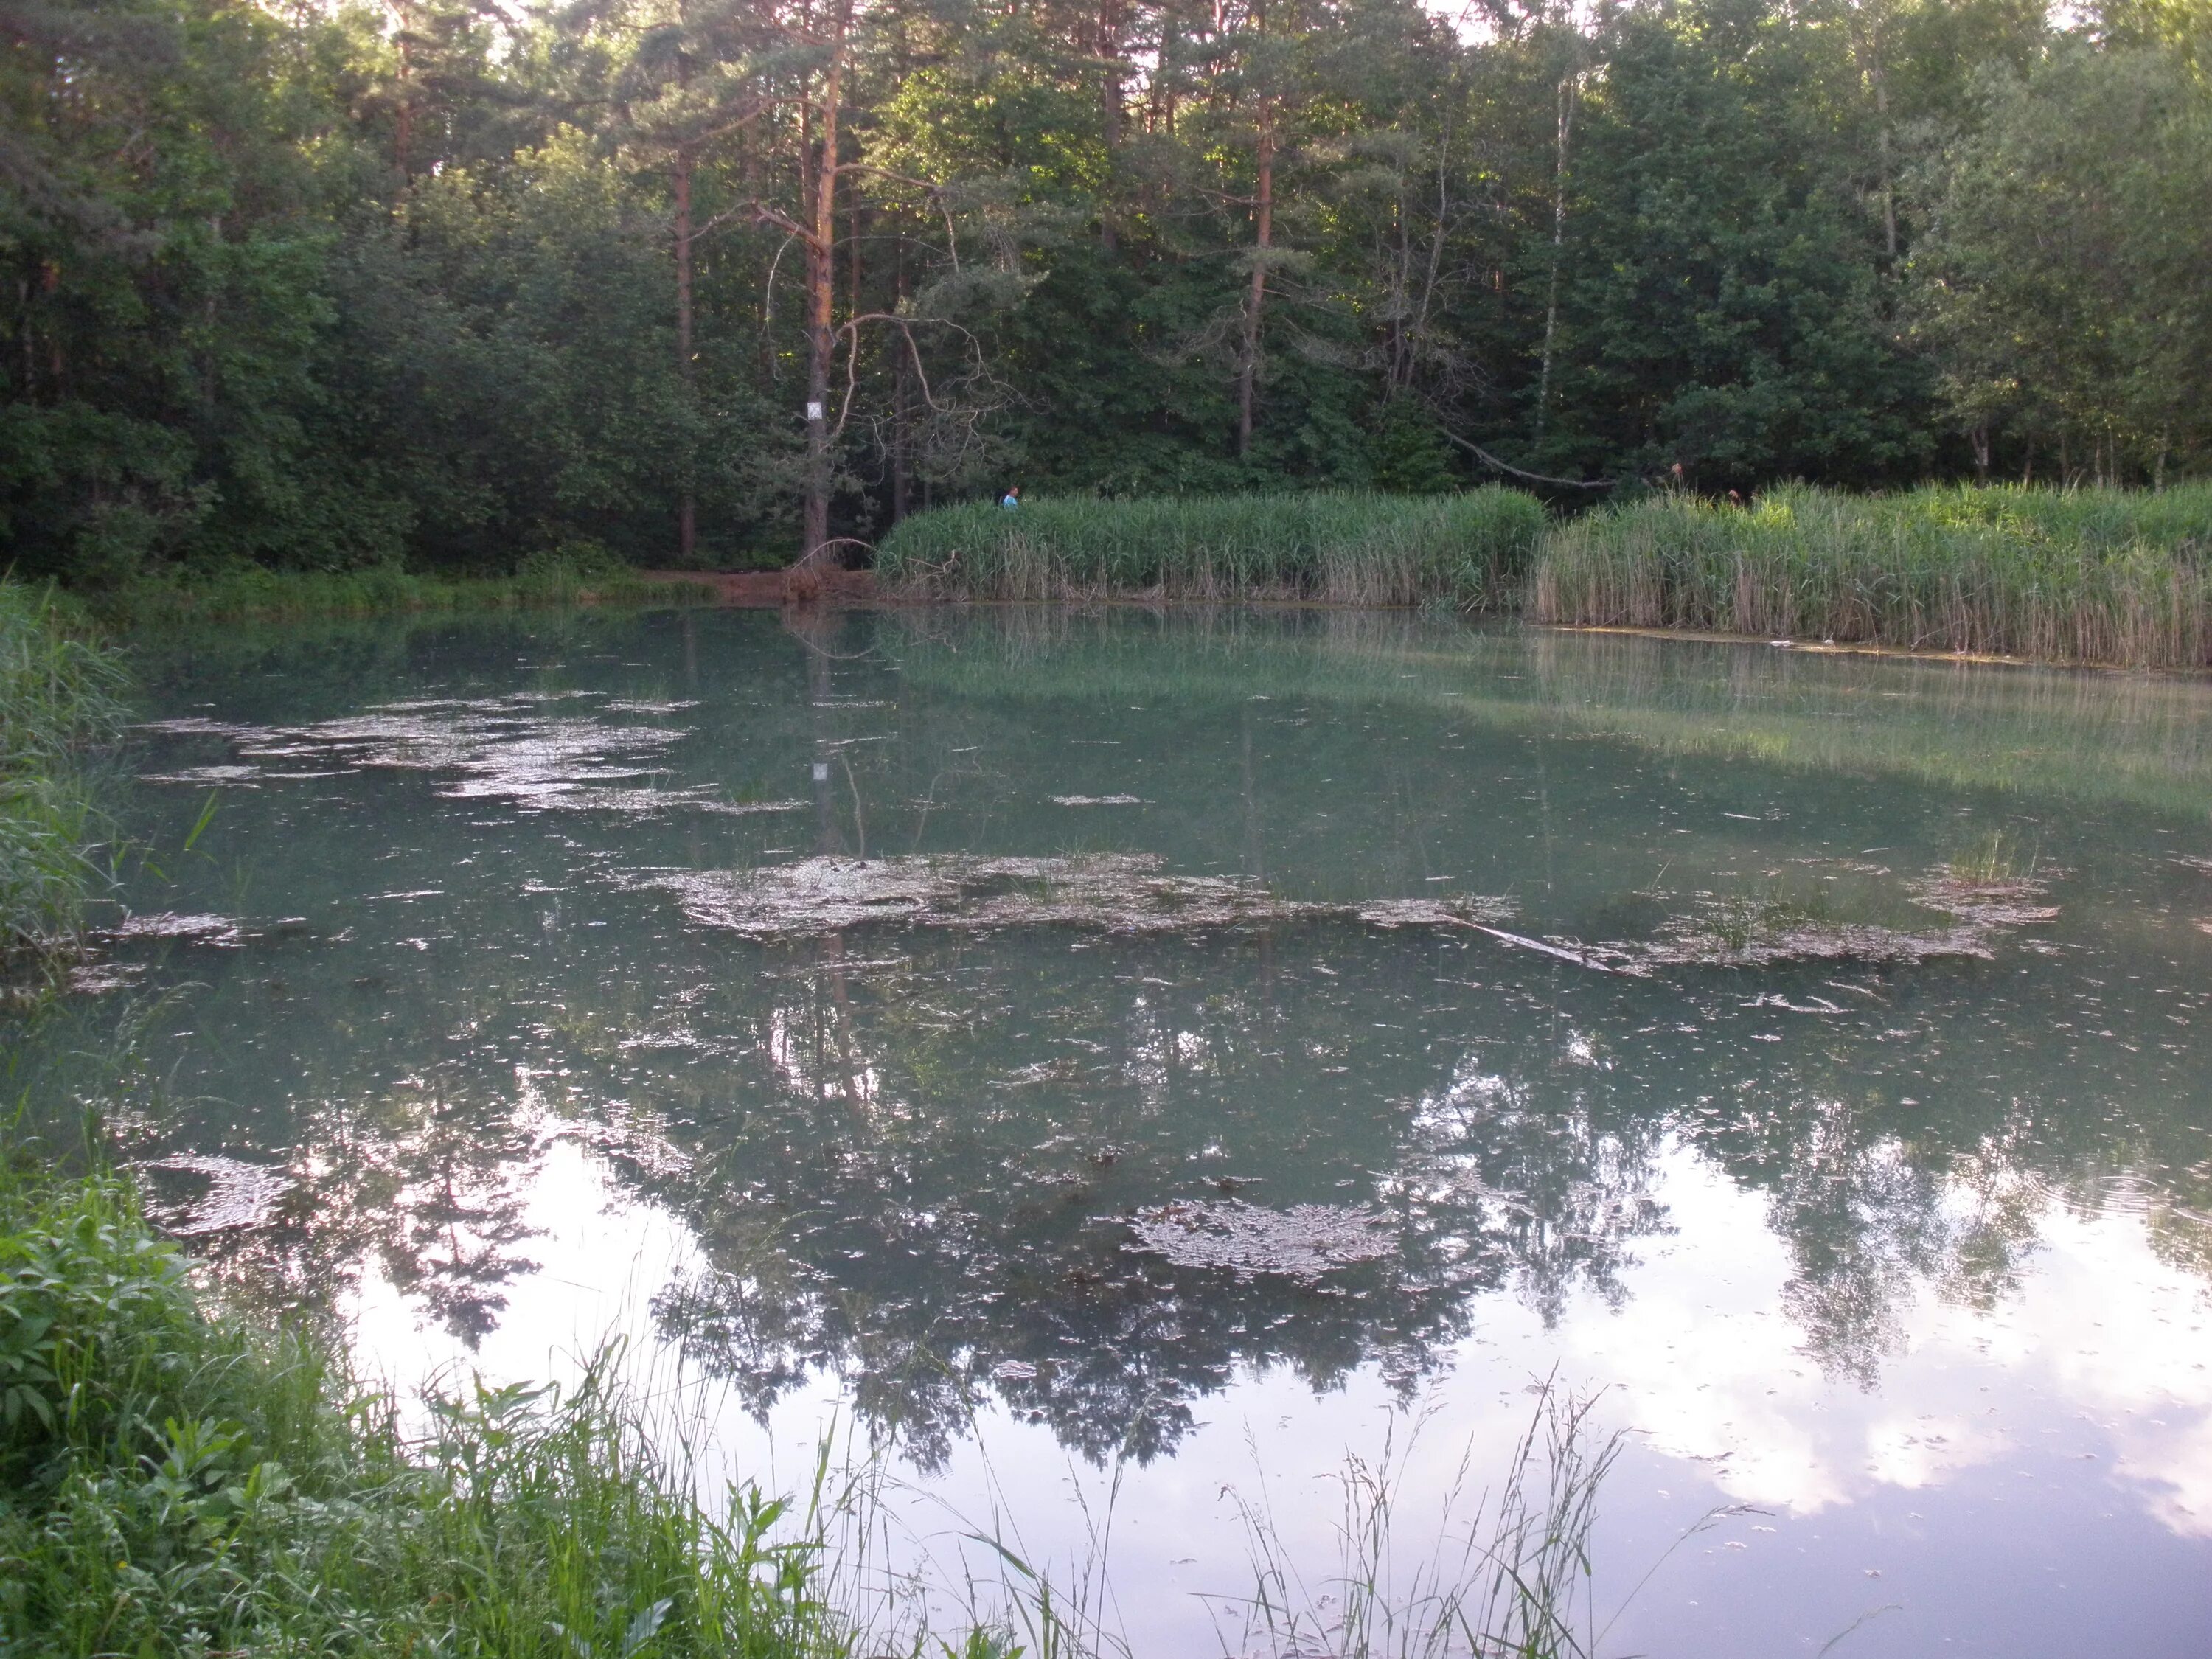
(687,507)
(1570,88)
(902,479)
(1248,369)
(1877,76)
(1109,49)
(821,296)
(403,130)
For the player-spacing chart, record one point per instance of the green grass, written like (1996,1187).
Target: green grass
(59,701)
(254,594)
(2104,576)
(174,1483)
(1468,549)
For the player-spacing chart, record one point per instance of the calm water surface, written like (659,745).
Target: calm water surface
(1876,1191)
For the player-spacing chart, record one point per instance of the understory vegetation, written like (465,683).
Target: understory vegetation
(1471,549)
(59,700)
(2085,575)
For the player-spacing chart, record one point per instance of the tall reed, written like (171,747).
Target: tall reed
(1511,1579)
(2105,576)
(59,700)
(1470,549)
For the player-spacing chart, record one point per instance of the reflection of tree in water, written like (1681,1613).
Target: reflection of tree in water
(455,1214)
(429,1180)
(964,1207)
(1559,1199)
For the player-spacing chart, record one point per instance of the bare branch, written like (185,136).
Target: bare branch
(1489,459)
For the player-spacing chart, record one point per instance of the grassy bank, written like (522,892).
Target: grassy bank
(253,594)
(59,702)
(174,1483)
(1469,549)
(2105,576)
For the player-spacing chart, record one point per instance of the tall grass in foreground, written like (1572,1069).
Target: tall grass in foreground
(2118,577)
(173,1484)
(1513,1580)
(247,593)
(1469,549)
(59,699)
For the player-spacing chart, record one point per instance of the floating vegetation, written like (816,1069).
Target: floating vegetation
(237,1195)
(1987,904)
(1120,892)
(1302,1241)
(223,930)
(1696,943)
(98,978)
(514,748)
(202,777)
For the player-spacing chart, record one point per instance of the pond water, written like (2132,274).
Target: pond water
(1139,1058)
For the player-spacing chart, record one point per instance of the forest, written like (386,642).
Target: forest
(457,286)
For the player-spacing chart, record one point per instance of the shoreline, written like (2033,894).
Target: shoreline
(859,589)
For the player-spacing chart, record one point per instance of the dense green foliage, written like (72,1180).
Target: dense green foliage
(58,700)
(2084,575)
(335,289)
(1470,549)
(172,1483)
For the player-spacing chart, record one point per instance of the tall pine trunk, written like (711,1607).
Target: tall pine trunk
(821,295)
(901,476)
(1109,49)
(1570,87)
(1249,365)
(687,508)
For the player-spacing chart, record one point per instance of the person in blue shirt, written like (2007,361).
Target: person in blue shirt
(1012,499)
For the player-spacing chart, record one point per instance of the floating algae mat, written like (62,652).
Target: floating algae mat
(1162,1054)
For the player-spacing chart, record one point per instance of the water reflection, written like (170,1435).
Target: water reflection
(915,1160)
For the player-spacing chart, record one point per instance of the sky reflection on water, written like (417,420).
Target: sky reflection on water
(1911,1255)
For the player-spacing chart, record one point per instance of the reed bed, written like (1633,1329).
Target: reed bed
(2094,576)
(1471,549)
(59,700)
